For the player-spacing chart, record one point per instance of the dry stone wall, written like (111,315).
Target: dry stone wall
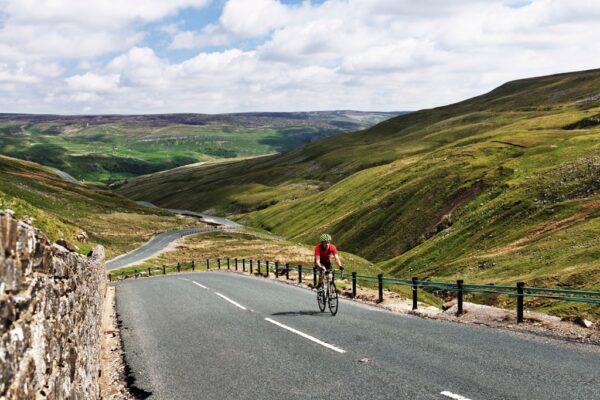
(50,316)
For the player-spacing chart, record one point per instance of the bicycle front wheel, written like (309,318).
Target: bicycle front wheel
(333,299)
(321,298)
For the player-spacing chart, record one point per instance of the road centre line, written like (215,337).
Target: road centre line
(195,283)
(231,301)
(304,335)
(199,284)
(454,396)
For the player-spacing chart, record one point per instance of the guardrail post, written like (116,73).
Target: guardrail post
(218,263)
(207,264)
(276,269)
(353,284)
(164,269)
(228,265)
(178,267)
(235,262)
(193,265)
(520,286)
(287,271)
(149,274)
(380,287)
(250,267)
(459,302)
(243,265)
(258,266)
(267,266)
(314,277)
(415,282)
(299,273)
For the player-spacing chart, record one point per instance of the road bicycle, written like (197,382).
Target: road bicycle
(327,296)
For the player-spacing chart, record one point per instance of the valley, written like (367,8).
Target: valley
(106,150)
(494,189)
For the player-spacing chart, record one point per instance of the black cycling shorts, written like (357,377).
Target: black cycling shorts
(327,265)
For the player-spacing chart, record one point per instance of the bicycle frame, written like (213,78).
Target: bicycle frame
(327,295)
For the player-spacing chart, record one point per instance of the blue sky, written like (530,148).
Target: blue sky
(212,56)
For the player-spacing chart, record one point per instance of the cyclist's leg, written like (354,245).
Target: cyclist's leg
(320,279)
(327,270)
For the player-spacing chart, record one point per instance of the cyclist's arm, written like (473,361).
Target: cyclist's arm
(318,263)
(338,261)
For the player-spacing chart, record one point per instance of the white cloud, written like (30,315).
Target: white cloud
(101,13)
(15,74)
(91,82)
(254,18)
(59,29)
(377,54)
(211,35)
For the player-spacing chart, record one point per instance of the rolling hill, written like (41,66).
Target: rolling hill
(498,188)
(105,149)
(62,209)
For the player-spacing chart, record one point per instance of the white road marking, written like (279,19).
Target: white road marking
(314,339)
(183,279)
(199,284)
(231,301)
(454,396)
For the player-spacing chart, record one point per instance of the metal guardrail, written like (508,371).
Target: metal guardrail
(265,267)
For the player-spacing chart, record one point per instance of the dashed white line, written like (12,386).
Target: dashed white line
(304,335)
(454,396)
(199,284)
(231,301)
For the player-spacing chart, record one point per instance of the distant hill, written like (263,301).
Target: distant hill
(498,188)
(105,149)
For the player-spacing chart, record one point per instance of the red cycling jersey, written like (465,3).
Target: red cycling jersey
(325,254)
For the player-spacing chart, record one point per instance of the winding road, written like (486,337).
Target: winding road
(220,335)
(153,247)
(160,242)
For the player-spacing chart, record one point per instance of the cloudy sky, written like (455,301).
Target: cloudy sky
(213,56)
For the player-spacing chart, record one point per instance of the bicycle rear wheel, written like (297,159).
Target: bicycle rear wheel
(321,298)
(333,299)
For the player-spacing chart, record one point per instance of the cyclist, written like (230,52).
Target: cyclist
(323,253)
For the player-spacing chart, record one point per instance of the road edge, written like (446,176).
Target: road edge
(113,383)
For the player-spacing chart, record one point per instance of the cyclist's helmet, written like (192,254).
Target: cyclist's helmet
(325,238)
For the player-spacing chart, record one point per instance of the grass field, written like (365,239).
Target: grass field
(107,150)
(495,189)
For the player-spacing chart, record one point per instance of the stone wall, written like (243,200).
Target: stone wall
(50,316)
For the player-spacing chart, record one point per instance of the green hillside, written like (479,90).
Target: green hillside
(497,188)
(108,149)
(61,209)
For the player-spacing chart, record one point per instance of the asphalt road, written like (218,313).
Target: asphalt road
(153,247)
(64,176)
(159,243)
(224,222)
(219,335)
